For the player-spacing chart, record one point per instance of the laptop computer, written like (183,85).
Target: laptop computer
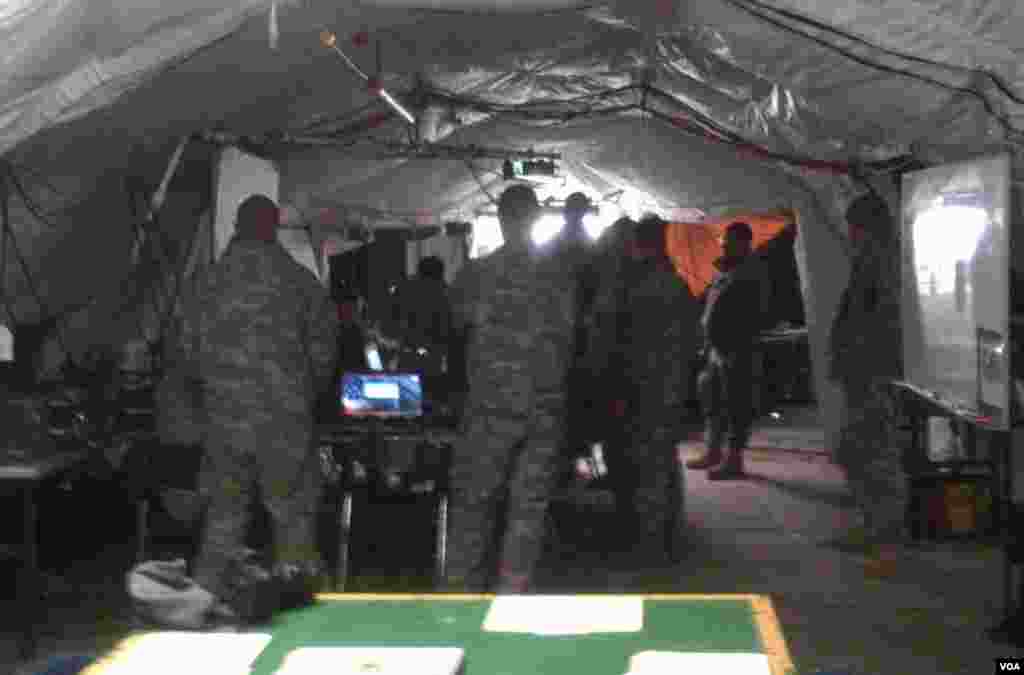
(395,397)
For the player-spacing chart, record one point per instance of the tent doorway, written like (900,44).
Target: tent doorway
(783,374)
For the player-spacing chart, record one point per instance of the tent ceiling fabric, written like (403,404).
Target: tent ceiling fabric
(91,89)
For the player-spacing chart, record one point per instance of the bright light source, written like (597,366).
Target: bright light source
(942,237)
(596,224)
(487,236)
(546,229)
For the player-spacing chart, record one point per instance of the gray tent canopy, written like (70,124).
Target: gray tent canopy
(714,105)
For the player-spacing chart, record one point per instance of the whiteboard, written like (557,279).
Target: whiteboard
(956,285)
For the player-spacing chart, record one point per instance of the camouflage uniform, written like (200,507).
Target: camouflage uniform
(579,263)
(179,415)
(647,336)
(260,338)
(518,308)
(730,321)
(865,355)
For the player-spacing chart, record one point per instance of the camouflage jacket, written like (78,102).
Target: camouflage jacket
(516,308)
(261,332)
(866,337)
(646,335)
(732,315)
(422,315)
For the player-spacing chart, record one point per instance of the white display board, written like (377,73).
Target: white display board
(238,176)
(956,283)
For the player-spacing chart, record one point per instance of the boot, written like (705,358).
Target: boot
(712,457)
(730,468)
(299,584)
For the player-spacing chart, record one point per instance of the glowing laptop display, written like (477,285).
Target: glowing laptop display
(381,395)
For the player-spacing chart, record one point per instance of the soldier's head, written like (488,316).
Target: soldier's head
(258,218)
(648,240)
(576,207)
(431,267)
(518,210)
(737,243)
(868,214)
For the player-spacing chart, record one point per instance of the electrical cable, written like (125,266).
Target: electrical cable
(800,18)
(5,195)
(8,175)
(1006,123)
(180,277)
(480,182)
(497,12)
(30,205)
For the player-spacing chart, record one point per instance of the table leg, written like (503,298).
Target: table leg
(441,552)
(344,545)
(29,588)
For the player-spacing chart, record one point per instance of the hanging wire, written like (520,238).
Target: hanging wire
(479,181)
(30,205)
(1006,123)
(8,176)
(800,18)
(5,195)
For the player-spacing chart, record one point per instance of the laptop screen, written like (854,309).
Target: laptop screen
(381,395)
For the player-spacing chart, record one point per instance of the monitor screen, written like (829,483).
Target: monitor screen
(381,395)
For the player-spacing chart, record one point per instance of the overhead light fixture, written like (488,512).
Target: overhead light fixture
(330,41)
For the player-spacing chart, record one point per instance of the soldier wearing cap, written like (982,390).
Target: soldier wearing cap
(865,355)
(259,338)
(730,323)
(648,337)
(516,307)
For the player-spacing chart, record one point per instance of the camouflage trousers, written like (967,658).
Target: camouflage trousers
(504,470)
(648,482)
(268,464)
(725,385)
(872,460)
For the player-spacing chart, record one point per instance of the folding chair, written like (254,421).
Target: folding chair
(350,476)
(167,476)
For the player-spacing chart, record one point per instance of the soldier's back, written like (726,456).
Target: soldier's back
(251,324)
(513,291)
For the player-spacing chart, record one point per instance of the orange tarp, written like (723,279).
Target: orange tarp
(694,247)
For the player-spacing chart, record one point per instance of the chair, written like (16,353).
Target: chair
(164,479)
(348,472)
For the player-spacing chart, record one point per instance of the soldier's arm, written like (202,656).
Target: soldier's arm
(322,334)
(603,327)
(185,336)
(552,349)
(462,299)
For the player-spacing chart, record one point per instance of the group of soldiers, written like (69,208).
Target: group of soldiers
(576,343)
(565,344)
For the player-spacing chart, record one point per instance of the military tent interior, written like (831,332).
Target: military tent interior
(116,119)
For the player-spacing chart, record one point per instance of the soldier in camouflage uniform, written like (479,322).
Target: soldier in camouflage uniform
(865,356)
(730,322)
(517,307)
(179,416)
(259,338)
(578,256)
(647,329)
